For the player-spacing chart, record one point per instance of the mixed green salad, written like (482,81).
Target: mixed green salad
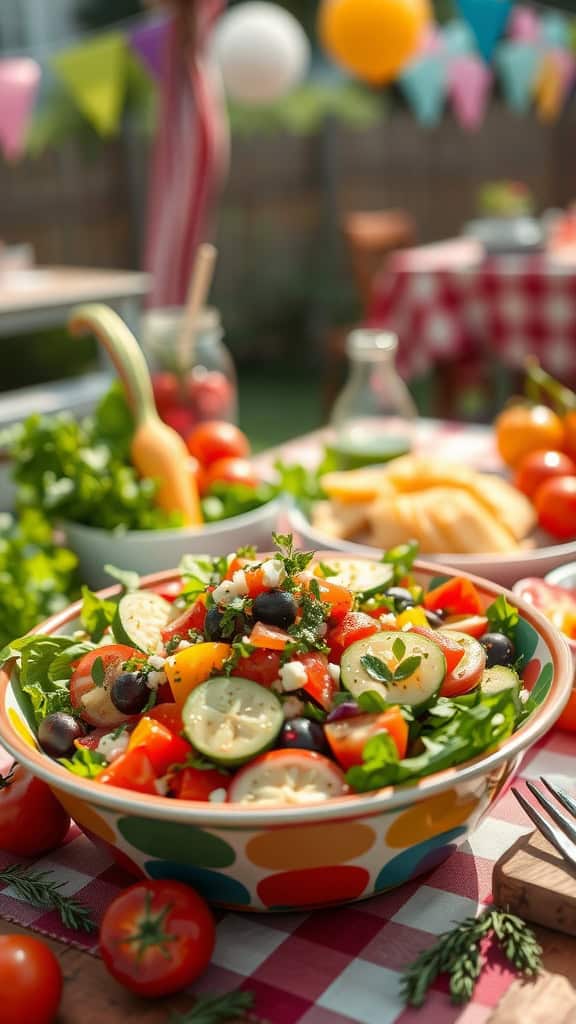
(282,681)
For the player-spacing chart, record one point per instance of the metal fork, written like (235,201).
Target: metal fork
(563,837)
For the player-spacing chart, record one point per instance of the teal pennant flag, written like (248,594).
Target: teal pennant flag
(487,19)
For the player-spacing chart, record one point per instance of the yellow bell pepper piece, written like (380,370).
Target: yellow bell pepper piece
(192,666)
(412,617)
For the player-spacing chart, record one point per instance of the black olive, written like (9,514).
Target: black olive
(402,598)
(434,620)
(499,649)
(303,734)
(213,628)
(57,732)
(130,693)
(275,608)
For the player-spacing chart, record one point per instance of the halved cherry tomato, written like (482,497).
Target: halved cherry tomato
(270,637)
(319,683)
(199,783)
(169,715)
(261,666)
(191,618)
(132,770)
(30,981)
(163,747)
(348,736)
(474,625)
(354,626)
(469,669)
(451,649)
(340,599)
(92,700)
(457,596)
(32,821)
(157,937)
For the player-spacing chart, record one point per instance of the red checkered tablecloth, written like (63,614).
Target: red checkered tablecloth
(447,301)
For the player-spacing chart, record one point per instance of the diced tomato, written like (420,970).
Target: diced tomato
(270,637)
(451,649)
(319,685)
(348,736)
(191,618)
(354,626)
(458,596)
(164,747)
(169,715)
(261,666)
(169,591)
(199,783)
(132,770)
(473,625)
(340,599)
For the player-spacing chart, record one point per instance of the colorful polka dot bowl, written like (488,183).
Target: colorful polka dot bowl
(290,858)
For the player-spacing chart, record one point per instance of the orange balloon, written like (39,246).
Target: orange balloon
(373,39)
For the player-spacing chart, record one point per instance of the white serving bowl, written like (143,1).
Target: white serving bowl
(150,551)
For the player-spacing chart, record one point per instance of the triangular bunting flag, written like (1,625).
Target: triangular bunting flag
(19,80)
(524,25)
(487,19)
(470,83)
(425,83)
(517,64)
(94,73)
(149,43)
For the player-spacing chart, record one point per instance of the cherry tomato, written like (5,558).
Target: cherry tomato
(457,596)
(570,433)
(92,701)
(168,714)
(32,821)
(555,503)
(199,783)
(179,418)
(30,981)
(166,390)
(261,666)
(217,439)
(231,471)
(527,428)
(468,672)
(269,637)
(354,626)
(348,736)
(451,649)
(157,937)
(539,466)
(474,625)
(132,770)
(319,683)
(192,617)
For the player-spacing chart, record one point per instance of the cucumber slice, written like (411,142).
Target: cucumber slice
(232,720)
(359,575)
(417,689)
(139,619)
(499,678)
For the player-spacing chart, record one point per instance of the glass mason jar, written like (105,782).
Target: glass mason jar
(373,417)
(195,381)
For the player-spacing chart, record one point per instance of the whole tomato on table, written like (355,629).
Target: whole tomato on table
(30,981)
(157,937)
(32,821)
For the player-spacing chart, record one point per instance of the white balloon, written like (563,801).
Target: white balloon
(262,51)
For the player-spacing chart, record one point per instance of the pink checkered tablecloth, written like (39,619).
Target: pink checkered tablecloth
(448,301)
(341,966)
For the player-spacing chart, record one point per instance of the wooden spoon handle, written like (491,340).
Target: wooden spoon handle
(124,352)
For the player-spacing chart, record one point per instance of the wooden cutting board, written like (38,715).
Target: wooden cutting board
(534,881)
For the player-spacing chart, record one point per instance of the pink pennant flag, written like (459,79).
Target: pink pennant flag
(524,25)
(470,82)
(19,81)
(431,42)
(566,65)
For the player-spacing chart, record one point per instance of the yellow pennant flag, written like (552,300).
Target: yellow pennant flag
(94,74)
(548,90)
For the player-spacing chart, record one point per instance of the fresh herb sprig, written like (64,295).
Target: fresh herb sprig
(379,670)
(502,617)
(294,561)
(458,954)
(217,1009)
(37,888)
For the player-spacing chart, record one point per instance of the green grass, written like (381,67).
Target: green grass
(277,404)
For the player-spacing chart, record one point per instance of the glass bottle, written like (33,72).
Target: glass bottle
(194,383)
(373,417)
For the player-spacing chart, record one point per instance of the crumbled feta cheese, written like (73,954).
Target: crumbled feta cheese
(334,671)
(292,708)
(183,645)
(498,720)
(217,796)
(155,679)
(273,573)
(156,661)
(293,676)
(111,746)
(240,582)
(389,619)
(226,591)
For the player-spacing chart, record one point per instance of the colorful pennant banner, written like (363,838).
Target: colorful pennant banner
(94,73)
(517,63)
(424,84)
(19,81)
(469,86)
(487,19)
(149,43)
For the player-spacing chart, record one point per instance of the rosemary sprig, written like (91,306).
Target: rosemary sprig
(35,887)
(458,954)
(217,1010)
